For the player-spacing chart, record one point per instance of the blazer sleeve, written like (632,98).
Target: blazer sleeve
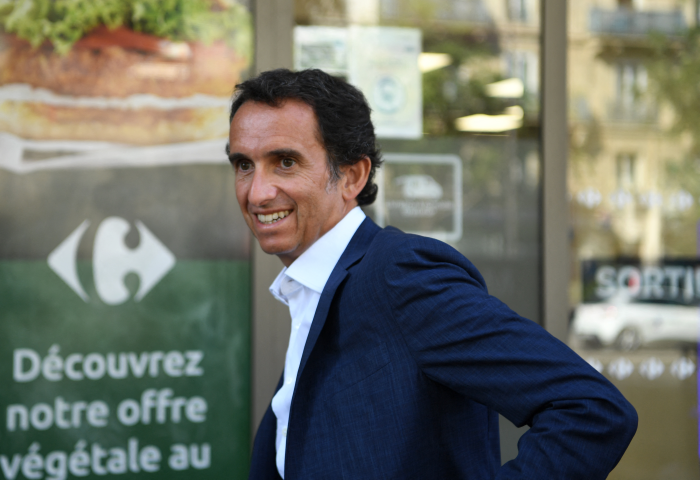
(469,341)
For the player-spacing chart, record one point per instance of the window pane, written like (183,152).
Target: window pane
(634,67)
(454,88)
(455,93)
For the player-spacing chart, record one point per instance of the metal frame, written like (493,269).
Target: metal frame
(274,24)
(555,217)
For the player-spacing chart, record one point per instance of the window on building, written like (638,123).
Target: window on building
(524,65)
(626,171)
(631,103)
(631,83)
(517,10)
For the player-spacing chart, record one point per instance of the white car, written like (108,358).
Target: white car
(628,323)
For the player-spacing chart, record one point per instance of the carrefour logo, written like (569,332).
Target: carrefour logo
(112,260)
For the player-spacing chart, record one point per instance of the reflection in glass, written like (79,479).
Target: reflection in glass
(477,83)
(633,170)
(454,88)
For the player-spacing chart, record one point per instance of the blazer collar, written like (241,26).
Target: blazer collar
(354,252)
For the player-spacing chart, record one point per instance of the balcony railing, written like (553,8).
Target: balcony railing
(636,23)
(637,112)
(465,11)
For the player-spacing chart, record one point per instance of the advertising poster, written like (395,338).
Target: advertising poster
(124,262)
(421,194)
(384,65)
(325,48)
(381,61)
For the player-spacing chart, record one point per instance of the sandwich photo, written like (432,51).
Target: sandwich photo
(139,72)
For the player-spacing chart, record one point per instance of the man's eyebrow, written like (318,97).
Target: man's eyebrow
(234,157)
(279,152)
(284,152)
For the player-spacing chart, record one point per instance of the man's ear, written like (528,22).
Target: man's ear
(354,178)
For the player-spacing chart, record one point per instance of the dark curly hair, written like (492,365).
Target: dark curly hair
(342,113)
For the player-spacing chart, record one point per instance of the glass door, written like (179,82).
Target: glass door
(634,192)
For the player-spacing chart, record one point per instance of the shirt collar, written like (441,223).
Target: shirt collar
(276,287)
(313,267)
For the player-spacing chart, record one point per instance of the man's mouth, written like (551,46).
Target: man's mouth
(273,217)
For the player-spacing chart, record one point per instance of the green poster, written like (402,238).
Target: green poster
(125,325)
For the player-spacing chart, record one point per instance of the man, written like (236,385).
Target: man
(398,359)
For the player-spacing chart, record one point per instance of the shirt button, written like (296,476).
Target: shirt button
(289,381)
(284,431)
(297,326)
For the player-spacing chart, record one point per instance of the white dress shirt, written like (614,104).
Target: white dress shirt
(300,286)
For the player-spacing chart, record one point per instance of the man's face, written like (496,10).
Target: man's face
(282,177)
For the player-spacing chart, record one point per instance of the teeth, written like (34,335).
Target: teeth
(273,217)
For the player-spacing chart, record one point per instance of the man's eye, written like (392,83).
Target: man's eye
(244,166)
(288,162)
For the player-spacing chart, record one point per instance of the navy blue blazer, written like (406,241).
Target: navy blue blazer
(406,364)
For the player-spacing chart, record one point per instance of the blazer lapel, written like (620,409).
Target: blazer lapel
(353,253)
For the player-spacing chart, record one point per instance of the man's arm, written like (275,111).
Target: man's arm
(471,342)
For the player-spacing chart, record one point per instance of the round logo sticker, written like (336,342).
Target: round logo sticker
(389,95)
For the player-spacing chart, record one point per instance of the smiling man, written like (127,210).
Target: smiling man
(289,196)
(398,358)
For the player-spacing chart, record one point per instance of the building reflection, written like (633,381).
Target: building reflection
(634,215)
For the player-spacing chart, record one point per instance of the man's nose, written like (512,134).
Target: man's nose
(262,189)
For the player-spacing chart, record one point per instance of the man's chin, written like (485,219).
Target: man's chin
(284,252)
(272,250)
